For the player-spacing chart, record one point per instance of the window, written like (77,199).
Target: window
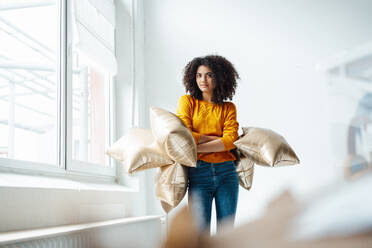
(56,85)
(28,81)
(91,37)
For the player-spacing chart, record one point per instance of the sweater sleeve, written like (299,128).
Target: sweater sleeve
(230,127)
(184,112)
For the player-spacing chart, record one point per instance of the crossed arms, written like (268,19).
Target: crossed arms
(210,144)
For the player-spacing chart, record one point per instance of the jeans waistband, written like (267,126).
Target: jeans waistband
(204,163)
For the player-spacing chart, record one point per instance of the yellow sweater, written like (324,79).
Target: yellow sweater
(207,118)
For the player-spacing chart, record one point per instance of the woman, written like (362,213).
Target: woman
(211,80)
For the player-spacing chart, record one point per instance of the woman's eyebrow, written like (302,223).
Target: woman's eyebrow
(208,72)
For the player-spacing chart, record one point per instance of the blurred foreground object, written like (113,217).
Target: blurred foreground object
(338,216)
(265,147)
(183,232)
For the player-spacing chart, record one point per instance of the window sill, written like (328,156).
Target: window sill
(11,180)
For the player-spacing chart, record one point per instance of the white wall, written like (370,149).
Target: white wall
(275,46)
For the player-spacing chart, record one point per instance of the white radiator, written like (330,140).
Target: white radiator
(128,232)
(80,240)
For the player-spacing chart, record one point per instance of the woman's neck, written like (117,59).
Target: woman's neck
(207,97)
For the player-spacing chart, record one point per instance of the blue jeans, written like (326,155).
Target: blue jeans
(218,181)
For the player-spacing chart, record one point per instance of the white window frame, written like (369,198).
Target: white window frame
(65,165)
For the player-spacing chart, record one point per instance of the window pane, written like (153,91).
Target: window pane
(90,102)
(91,79)
(29,42)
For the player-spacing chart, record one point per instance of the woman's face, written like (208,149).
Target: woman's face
(204,79)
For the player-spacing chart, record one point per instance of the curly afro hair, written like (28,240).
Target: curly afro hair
(224,77)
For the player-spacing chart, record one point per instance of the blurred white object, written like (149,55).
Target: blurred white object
(344,210)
